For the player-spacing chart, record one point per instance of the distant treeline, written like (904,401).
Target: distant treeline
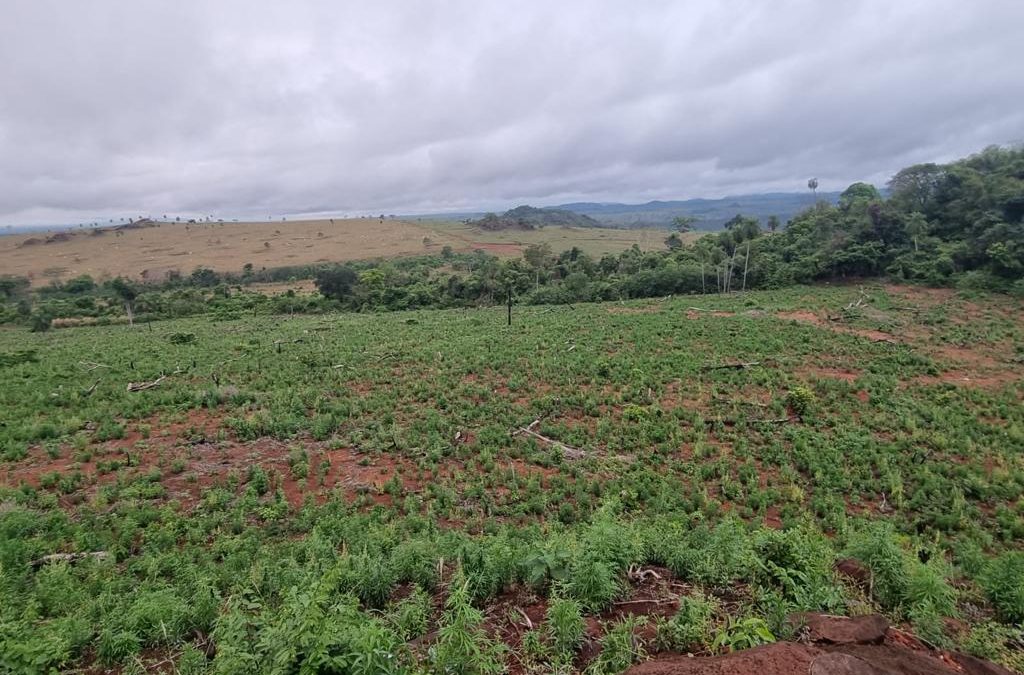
(955,224)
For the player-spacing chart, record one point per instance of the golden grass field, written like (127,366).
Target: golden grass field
(149,253)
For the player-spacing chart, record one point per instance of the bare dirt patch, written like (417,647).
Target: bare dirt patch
(647,309)
(921,296)
(819,321)
(969,379)
(192,453)
(844,374)
(693,314)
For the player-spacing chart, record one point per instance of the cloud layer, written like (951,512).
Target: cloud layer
(245,108)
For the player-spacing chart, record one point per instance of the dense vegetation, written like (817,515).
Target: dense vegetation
(356,493)
(959,224)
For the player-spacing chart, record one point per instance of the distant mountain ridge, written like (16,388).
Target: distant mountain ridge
(711,213)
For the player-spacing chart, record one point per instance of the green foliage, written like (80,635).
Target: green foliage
(800,400)
(411,616)
(690,628)
(742,633)
(593,584)
(336,283)
(997,642)
(900,581)
(462,647)
(620,647)
(1003,582)
(18,357)
(678,470)
(565,627)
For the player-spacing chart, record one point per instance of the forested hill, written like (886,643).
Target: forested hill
(530,218)
(710,214)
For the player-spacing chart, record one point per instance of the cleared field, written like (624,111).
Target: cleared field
(593,241)
(646,476)
(149,253)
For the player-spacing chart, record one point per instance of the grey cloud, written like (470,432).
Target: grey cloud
(241,109)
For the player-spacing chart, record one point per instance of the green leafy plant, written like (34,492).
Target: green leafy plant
(565,627)
(742,633)
(462,647)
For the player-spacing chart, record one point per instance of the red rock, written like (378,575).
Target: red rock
(837,663)
(854,570)
(781,658)
(841,630)
(975,666)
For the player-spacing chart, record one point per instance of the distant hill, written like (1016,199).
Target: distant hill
(711,213)
(532,218)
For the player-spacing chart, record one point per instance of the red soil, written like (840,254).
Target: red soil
(191,460)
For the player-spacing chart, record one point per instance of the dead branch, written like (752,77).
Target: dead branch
(529,624)
(68,557)
(389,355)
(90,390)
(735,366)
(637,574)
(142,386)
(91,365)
(753,404)
(859,303)
(568,451)
(663,601)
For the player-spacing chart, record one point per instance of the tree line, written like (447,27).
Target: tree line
(959,224)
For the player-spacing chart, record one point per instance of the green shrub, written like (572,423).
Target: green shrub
(742,633)
(620,647)
(690,626)
(800,400)
(1003,582)
(411,616)
(115,646)
(593,584)
(565,627)
(462,646)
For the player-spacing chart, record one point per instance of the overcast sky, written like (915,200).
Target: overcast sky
(256,108)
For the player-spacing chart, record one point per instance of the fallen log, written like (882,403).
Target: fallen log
(734,366)
(143,386)
(568,451)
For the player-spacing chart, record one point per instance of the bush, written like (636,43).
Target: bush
(565,627)
(690,627)
(799,400)
(593,584)
(462,646)
(1003,582)
(619,647)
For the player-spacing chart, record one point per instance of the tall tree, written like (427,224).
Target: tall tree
(684,223)
(127,292)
